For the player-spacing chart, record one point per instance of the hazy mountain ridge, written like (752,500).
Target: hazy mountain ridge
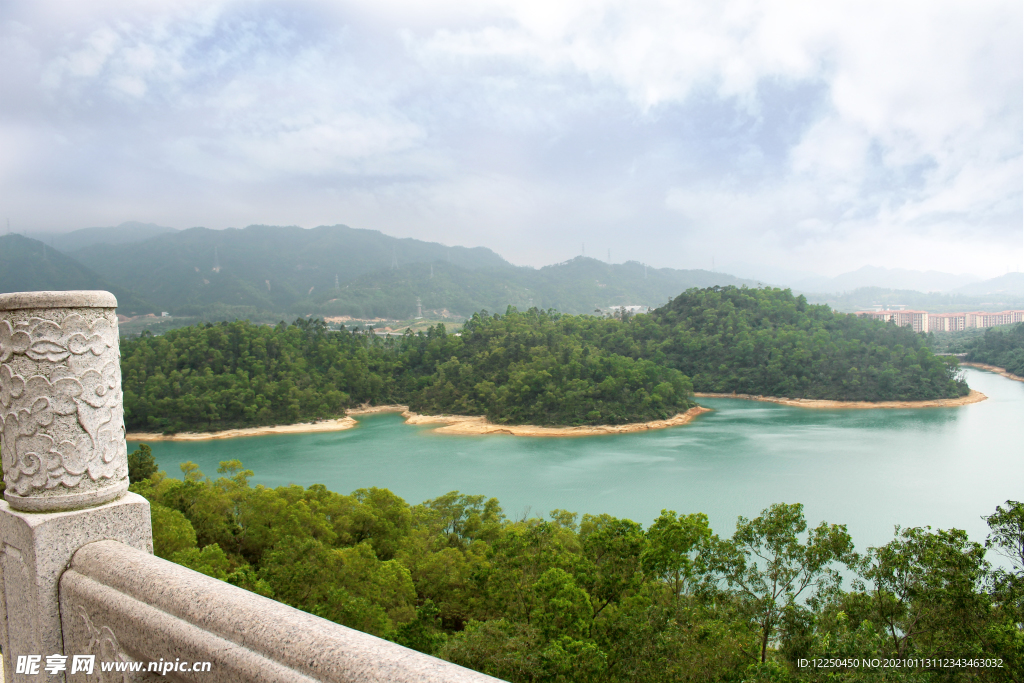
(865,298)
(28,265)
(577,286)
(1009,285)
(125,233)
(337,270)
(886,278)
(265,266)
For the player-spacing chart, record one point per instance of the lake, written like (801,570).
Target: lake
(868,469)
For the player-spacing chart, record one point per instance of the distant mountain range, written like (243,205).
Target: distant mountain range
(889,278)
(338,270)
(330,270)
(865,298)
(998,293)
(581,285)
(1009,285)
(130,231)
(268,267)
(30,265)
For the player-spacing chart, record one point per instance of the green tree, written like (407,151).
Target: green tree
(1007,535)
(678,550)
(613,548)
(141,463)
(172,532)
(769,565)
(926,589)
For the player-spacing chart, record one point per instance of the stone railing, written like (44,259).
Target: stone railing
(77,574)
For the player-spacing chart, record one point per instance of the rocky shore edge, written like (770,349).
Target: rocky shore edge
(450,424)
(973,397)
(994,368)
(299,428)
(474,425)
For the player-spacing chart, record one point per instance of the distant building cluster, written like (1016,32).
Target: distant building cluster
(923,321)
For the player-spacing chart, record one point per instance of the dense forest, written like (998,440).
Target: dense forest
(534,367)
(518,368)
(999,346)
(601,599)
(768,342)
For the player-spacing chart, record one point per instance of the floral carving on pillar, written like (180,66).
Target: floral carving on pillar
(61,414)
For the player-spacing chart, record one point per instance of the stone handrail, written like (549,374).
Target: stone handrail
(123,604)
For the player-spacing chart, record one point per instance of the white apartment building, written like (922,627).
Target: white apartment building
(918,320)
(922,321)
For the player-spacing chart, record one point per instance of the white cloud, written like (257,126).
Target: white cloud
(795,127)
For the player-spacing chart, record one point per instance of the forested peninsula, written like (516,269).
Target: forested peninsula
(601,599)
(530,368)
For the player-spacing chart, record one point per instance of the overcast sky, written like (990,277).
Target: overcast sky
(814,136)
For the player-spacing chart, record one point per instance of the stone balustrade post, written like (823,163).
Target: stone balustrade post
(64,458)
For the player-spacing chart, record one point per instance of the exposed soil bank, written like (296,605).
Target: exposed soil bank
(452,424)
(472,425)
(973,397)
(995,369)
(464,424)
(300,428)
(370,410)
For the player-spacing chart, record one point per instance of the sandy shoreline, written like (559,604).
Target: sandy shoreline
(994,368)
(464,424)
(973,397)
(451,424)
(301,428)
(473,425)
(372,410)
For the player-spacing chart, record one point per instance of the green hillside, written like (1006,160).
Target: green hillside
(28,265)
(125,233)
(577,286)
(768,342)
(267,267)
(336,270)
(441,286)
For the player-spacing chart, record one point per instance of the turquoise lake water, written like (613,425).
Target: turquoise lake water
(868,469)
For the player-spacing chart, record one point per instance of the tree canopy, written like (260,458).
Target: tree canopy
(599,598)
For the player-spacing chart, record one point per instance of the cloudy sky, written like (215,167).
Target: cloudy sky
(813,136)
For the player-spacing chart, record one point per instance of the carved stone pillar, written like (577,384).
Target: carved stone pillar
(64,459)
(61,406)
